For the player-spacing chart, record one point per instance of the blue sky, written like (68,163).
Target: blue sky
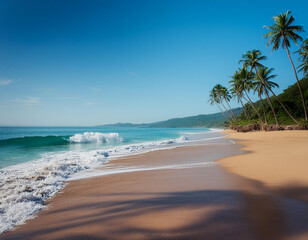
(91,62)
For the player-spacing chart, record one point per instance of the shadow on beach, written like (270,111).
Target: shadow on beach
(205,203)
(237,215)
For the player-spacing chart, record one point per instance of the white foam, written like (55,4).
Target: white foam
(96,137)
(216,129)
(25,187)
(106,171)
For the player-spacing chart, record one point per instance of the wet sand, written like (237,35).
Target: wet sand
(197,202)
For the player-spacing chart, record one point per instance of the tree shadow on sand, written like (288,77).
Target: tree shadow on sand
(239,215)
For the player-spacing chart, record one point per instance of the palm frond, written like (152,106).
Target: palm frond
(283,31)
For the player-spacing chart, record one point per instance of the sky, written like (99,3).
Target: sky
(84,63)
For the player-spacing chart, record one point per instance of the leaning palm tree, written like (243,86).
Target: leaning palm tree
(252,59)
(303,57)
(282,32)
(237,93)
(244,80)
(215,100)
(239,89)
(219,89)
(260,91)
(226,96)
(260,88)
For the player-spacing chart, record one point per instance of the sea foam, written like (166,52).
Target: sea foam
(25,187)
(96,137)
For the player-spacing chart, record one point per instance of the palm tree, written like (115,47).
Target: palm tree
(238,89)
(236,92)
(282,32)
(303,57)
(260,93)
(215,100)
(219,89)
(244,80)
(226,96)
(260,88)
(252,59)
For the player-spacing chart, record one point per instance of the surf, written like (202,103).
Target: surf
(41,141)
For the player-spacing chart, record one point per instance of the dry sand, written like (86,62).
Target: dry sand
(277,159)
(197,202)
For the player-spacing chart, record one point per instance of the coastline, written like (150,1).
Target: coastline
(155,204)
(27,185)
(194,202)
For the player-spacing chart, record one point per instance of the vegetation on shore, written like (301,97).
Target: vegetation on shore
(270,112)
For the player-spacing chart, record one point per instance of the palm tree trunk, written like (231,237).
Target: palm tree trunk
(247,101)
(253,106)
(265,119)
(231,110)
(244,109)
(222,112)
(226,110)
(275,96)
(298,83)
(273,110)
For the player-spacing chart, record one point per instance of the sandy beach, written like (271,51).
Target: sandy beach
(119,120)
(195,199)
(278,159)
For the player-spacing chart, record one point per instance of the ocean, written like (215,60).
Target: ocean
(36,162)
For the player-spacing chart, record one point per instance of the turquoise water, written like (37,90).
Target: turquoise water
(23,144)
(36,162)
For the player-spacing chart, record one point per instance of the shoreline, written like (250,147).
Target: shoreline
(193,202)
(139,205)
(26,186)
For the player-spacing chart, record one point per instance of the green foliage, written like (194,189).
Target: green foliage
(252,59)
(303,123)
(282,31)
(290,98)
(215,120)
(303,57)
(241,122)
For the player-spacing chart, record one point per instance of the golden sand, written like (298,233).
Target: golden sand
(277,159)
(193,203)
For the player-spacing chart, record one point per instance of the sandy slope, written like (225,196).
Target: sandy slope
(278,159)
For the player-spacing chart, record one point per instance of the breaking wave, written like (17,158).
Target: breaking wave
(25,187)
(35,141)
(96,137)
(42,141)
